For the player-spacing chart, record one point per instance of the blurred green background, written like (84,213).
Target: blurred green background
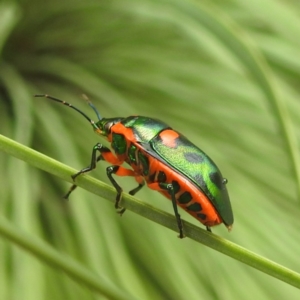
(162,59)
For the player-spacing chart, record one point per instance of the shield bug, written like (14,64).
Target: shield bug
(165,160)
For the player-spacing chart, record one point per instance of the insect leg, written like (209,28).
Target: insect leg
(208,228)
(171,190)
(135,190)
(105,154)
(121,171)
(74,186)
(141,183)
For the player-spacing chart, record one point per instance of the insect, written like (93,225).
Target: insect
(163,159)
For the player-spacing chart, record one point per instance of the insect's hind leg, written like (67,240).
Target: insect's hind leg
(171,189)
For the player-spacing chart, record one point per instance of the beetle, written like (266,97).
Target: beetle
(165,160)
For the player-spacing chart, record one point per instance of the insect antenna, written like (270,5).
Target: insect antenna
(89,102)
(71,106)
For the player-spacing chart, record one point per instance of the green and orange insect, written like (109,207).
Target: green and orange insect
(163,159)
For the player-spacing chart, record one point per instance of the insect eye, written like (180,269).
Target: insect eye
(224,181)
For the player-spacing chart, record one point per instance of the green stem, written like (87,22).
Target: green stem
(95,186)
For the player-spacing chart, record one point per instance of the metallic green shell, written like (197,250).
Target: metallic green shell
(191,161)
(185,158)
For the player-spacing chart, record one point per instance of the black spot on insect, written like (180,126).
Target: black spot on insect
(181,141)
(194,207)
(184,198)
(161,177)
(152,177)
(201,216)
(216,179)
(176,186)
(194,158)
(199,180)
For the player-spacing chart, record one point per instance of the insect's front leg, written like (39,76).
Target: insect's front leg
(105,154)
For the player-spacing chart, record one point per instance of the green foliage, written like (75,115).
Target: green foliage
(225,74)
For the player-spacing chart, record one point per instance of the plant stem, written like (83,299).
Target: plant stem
(95,186)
